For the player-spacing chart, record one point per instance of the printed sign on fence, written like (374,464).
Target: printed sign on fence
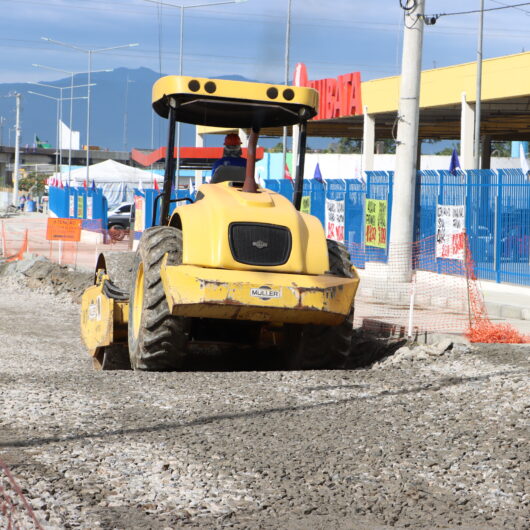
(335,214)
(89,207)
(139,223)
(71,206)
(305,207)
(80,203)
(450,236)
(375,222)
(61,229)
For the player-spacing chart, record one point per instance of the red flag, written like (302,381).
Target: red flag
(155,185)
(287,173)
(84,184)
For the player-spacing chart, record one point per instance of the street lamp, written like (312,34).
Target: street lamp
(60,118)
(286,76)
(72,74)
(59,103)
(2,121)
(126,114)
(182,8)
(89,52)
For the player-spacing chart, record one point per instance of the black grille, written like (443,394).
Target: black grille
(260,244)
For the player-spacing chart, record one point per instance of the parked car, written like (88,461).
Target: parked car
(484,246)
(515,244)
(119,218)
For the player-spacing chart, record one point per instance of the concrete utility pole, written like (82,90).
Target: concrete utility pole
(402,222)
(16,167)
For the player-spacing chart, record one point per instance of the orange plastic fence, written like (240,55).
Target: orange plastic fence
(481,329)
(15,510)
(23,235)
(425,301)
(442,295)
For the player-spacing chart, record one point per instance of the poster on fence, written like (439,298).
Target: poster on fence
(305,206)
(80,205)
(71,206)
(335,220)
(90,207)
(375,222)
(139,216)
(450,235)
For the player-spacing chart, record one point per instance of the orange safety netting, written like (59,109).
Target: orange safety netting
(21,236)
(433,298)
(481,329)
(15,511)
(441,295)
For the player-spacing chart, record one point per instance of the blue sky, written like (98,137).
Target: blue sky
(331,37)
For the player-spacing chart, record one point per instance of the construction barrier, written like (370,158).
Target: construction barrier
(423,302)
(23,236)
(440,295)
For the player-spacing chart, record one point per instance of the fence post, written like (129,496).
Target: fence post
(411,306)
(498,226)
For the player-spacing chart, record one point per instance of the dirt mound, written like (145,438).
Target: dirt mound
(39,273)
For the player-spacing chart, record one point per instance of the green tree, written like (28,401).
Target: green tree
(278,148)
(386,146)
(345,145)
(501,149)
(34,183)
(449,150)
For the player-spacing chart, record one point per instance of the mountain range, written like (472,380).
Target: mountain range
(120,111)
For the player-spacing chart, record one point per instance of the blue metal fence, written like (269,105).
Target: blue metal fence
(497,215)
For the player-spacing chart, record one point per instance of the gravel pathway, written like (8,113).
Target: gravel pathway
(422,442)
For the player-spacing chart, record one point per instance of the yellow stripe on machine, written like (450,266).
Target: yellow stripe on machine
(261,296)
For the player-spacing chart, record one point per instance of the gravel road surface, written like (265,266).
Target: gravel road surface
(419,441)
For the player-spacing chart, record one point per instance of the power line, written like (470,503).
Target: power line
(518,8)
(431,19)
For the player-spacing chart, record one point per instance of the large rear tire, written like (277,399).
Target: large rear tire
(319,347)
(157,339)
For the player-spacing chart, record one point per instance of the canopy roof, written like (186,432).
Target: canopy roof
(505,103)
(109,172)
(240,104)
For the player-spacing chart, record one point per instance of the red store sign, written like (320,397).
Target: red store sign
(338,97)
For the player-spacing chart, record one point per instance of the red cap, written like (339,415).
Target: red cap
(232,139)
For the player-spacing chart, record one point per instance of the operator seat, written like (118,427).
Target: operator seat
(232,173)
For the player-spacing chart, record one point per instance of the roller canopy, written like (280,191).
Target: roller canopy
(238,104)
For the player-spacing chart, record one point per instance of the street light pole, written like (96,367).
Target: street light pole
(60,119)
(89,52)
(479,86)
(17,143)
(181,58)
(126,114)
(59,101)
(72,74)
(286,77)
(16,167)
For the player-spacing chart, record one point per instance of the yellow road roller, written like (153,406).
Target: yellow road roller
(240,266)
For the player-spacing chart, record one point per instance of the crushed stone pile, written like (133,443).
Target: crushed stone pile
(41,275)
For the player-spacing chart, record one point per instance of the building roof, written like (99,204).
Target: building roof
(505,102)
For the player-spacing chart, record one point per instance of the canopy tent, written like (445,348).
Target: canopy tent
(117,180)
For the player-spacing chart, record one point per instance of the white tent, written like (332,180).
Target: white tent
(117,180)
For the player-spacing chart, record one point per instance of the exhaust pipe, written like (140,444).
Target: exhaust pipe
(250,186)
